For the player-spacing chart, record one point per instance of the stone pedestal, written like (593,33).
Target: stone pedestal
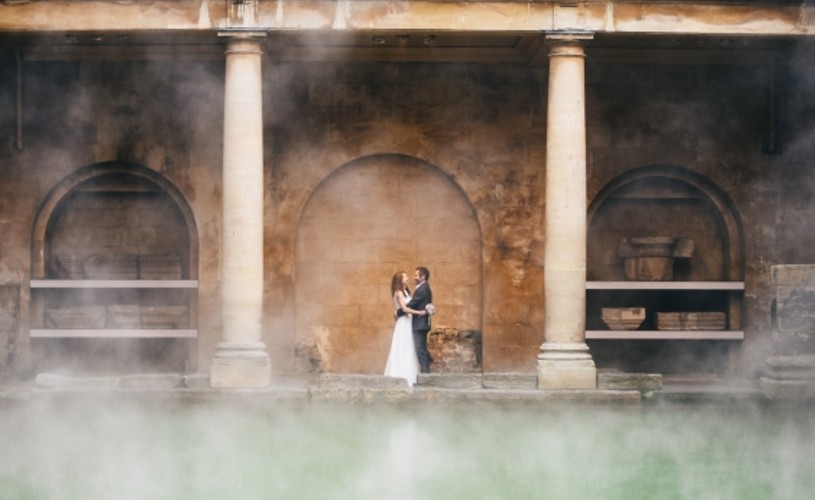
(564,361)
(790,370)
(241,359)
(238,365)
(566,366)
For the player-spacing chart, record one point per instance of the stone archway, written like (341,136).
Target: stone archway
(656,197)
(371,218)
(118,173)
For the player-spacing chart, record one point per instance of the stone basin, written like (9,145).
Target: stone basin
(651,258)
(623,318)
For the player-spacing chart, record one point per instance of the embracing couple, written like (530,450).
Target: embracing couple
(408,352)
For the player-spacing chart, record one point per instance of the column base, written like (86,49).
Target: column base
(238,365)
(565,367)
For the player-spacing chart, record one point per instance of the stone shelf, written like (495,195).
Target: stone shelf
(113,333)
(726,293)
(665,285)
(46,283)
(48,286)
(664,335)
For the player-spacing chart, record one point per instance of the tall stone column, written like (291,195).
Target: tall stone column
(564,361)
(241,359)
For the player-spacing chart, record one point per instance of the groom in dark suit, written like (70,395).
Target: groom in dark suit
(422,296)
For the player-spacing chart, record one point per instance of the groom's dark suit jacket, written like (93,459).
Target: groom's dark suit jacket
(421,297)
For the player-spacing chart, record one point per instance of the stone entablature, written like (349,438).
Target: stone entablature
(723,18)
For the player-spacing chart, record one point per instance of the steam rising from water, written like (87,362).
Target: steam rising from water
(86,446)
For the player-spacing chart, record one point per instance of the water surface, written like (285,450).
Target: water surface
(95,447)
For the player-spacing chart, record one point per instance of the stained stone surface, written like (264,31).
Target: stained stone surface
(454,351)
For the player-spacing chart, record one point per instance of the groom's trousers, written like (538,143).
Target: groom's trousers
(420,341)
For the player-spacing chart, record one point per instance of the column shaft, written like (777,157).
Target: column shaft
(241,359)
(564,361)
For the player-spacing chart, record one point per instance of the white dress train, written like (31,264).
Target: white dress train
(402,360)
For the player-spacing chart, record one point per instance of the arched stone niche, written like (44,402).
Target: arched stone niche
(106,189)
(666,200)
(369,219)
(103,211)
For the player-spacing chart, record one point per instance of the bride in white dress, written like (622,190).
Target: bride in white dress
(402,360)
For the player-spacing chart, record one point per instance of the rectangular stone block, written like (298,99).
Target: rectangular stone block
(151,381)
(566,375)
(239,373)
(794,275)
(510,380)
(629,381)
(451,380)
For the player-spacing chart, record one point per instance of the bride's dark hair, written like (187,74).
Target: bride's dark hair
(396,283)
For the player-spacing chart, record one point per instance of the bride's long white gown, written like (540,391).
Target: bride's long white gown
(402,360)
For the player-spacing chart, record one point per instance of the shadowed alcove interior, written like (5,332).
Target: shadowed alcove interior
(665,201)
(115,260)
(369,219)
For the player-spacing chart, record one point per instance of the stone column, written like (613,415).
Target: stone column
(241,359)
(564,361)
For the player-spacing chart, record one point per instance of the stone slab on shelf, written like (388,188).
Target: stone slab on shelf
(665,285)
(691,321)
(664,335)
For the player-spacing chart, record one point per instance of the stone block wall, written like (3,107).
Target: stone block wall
(470,142)
(166,116)
(115,224)
(468,138)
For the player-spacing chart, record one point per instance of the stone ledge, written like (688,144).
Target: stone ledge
(58,381)
(788,389)
(450,380)
(359,381)
(363,395)
(510,381)
(152,381)
(525,397)
(616,381)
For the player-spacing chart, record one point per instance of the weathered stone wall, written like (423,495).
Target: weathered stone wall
(165,116)
(479,128)
(102,225)
(714,120)
(370,219)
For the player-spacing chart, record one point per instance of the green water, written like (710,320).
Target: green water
(104,448)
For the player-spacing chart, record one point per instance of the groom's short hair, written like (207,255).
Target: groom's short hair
(423,272)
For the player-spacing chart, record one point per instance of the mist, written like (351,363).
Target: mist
(87,445)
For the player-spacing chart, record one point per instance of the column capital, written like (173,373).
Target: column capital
(569,36)
(568,43)
(243,41)
(242,33)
